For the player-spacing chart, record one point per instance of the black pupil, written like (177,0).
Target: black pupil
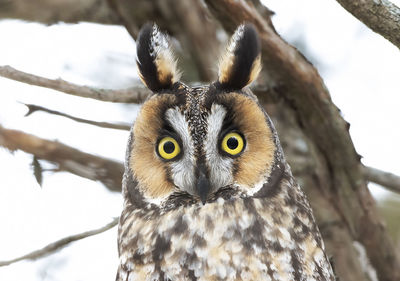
(232,143)
(169,147)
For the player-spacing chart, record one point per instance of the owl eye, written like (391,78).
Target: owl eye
(232,143)
(168,148)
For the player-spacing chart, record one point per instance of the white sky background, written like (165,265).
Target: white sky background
(360,68)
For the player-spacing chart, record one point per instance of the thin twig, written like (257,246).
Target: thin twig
(130,95)
(52,247)
(381,16)
(385,179)
(108,172)
(121,126)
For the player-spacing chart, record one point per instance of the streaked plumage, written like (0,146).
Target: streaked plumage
(208,194)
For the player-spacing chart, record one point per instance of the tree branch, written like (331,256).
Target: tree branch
(57,245)
(68,159)
(121,126)
(381,16)
(385,179)
(130,95)
(50,11)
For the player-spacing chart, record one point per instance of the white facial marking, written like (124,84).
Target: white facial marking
(220,167)
(182,170)
(156,201)
(251,190)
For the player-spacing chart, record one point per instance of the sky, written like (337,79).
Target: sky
(359,67)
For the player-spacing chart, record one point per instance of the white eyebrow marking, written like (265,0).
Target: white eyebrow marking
(220,167)
(182,171)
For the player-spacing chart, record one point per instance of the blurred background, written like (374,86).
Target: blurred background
(359,67)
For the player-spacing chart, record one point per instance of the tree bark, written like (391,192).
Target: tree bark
(381,16)
(53,11)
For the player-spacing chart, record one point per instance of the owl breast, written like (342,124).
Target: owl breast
(234,239)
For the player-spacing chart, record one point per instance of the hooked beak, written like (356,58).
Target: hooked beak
(203,187)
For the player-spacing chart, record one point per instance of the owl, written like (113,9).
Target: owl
(208,194)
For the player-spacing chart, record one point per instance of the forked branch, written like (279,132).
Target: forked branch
(119,126)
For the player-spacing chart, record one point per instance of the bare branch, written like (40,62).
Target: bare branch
(130,95)
(121,126)
(381,16)
(57,245)
(68,159)
(385,179)
(50,11)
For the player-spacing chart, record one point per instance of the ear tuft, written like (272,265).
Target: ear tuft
(241,63)
(155,60)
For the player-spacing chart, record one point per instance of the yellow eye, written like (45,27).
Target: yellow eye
(232,143)
(168,148)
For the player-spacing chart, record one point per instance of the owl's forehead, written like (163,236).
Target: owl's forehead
(196,111)
(193,104)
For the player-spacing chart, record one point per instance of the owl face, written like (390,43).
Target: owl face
(197,143)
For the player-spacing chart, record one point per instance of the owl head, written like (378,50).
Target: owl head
(193,145)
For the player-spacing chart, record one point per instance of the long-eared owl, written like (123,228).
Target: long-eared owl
(208,194)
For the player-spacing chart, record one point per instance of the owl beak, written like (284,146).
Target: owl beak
(203,186)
